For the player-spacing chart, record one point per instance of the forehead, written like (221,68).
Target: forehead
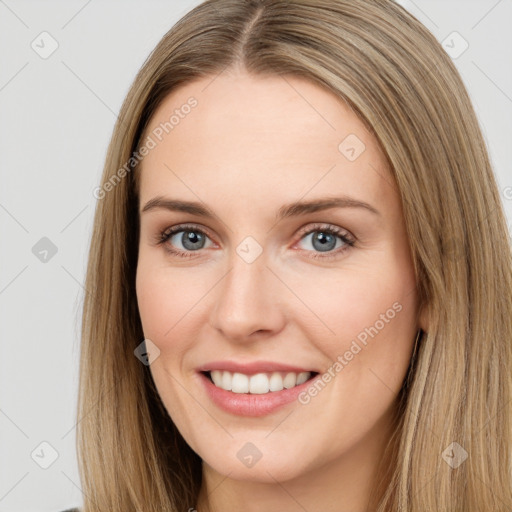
(237,135)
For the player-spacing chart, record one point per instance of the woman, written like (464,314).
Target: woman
(300,276)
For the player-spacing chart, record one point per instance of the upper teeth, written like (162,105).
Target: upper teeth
(259,383)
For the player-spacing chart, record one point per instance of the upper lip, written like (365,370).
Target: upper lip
(251,368)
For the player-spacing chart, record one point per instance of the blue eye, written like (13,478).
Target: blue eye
(328,240)
(192,239)
(325,239)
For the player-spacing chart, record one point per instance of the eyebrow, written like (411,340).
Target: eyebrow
(289,210)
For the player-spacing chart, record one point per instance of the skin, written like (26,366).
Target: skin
(250,146)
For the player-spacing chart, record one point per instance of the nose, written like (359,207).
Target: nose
(249,301)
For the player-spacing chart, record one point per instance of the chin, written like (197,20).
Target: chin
(268,469)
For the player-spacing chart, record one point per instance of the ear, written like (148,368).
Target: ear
(423,318)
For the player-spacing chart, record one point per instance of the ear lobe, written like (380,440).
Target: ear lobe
(423,318)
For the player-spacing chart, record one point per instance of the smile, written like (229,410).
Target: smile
(260,383)
(257,394)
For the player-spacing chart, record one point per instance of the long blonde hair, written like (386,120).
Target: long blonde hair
(394,74)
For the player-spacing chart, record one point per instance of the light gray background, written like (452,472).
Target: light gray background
(56,118)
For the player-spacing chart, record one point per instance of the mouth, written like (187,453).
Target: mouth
(258,383)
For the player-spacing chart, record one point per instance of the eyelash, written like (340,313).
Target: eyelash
(349,242)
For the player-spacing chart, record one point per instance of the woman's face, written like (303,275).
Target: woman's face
(266,289)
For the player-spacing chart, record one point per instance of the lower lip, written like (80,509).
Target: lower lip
(246,404)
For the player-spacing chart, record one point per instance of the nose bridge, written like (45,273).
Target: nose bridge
(246,298)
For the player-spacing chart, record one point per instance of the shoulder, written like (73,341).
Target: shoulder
(71,510)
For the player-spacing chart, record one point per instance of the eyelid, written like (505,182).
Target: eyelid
(319,226)
(346,236)
(307,229)
(172,230)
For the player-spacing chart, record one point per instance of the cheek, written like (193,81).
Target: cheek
(172,305)
(165,296)
(165,311)
(372,314)
(153,298)
(367,324)
(359,300)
